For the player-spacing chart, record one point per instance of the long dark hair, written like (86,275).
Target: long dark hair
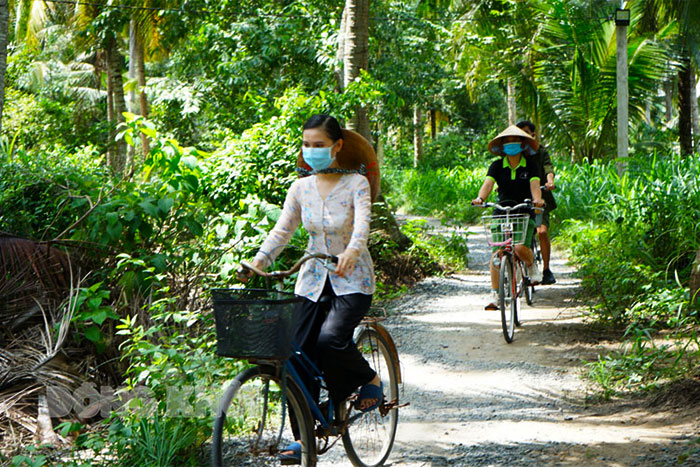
(329,124)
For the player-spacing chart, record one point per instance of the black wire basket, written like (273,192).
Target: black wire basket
(254,323)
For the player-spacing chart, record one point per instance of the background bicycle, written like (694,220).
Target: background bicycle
(252,424)
(507,230)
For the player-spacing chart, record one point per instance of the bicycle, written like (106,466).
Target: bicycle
(507,231)
(251,418)
(537,255)
(536,252)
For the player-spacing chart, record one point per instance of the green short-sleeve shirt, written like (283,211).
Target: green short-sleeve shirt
(513,184)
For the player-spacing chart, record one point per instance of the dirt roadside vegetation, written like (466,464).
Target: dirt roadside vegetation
(475,400)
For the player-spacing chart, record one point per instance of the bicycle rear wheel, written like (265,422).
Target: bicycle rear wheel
(507,297)
(369,438)
(252,424)
(526,285)
(537,255)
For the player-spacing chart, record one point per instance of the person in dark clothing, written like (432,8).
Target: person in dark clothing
(546,174)
(517,179)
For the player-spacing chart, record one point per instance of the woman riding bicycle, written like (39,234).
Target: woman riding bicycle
(517,179)
(333,201)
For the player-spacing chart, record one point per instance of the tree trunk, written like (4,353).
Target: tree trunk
(138,72)
(131,73)
(24,9)
(695,283)
(433,124)
(685,119)
(340,56)
(647,113)
(356,57)
(355,49)
(380,144)
(4,25)
(110,114)
(115,67)
(417,135)
(694,110)
(668,99)
(512,109)
(383,219)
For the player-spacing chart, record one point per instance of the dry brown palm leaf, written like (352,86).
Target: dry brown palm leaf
(28,357)
(30,273)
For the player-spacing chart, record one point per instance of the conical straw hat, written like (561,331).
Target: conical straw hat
(356,152)
(496,145)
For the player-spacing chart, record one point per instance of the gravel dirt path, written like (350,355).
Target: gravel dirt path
(475,400)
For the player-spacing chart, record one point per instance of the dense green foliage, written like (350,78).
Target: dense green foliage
(640,229)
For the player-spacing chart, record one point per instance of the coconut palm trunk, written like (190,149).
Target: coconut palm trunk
(137,71)
(114,70)
(110,113)
(24,9)
(417,135)
(353,47)
(685,119)
(694,111)
(356,56)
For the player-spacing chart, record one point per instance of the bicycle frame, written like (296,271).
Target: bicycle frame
(312,370)
(304,361)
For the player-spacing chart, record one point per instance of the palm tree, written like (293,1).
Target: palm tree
(115,67)
(493,41)
(137,70)
(356,55)
(103,25)
(575,78)
(657,16)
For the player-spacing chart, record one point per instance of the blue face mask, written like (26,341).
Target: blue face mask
(318,158)
(512,149)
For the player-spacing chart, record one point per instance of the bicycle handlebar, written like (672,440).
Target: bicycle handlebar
(526,204)
(282,274)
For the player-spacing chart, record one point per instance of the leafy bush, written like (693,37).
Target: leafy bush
(441,192)
(40,191)
(633,238)
(638,232)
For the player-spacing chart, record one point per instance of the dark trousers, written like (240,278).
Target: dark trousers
(325,330)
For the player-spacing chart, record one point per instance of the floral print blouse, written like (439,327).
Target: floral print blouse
(340,221)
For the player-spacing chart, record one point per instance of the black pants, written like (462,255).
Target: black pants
(325,330)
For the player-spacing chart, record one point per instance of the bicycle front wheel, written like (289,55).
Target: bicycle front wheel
(507,297)
(369,438)
(252,422)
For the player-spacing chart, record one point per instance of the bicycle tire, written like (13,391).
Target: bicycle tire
(249,417)
(507,297)
(537,255)
(526,286)
(369,439)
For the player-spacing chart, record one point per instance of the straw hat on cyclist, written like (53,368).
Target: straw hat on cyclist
(517,179)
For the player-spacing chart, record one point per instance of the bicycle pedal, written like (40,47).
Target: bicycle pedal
(386,407)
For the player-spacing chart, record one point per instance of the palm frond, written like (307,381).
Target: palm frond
(30,272)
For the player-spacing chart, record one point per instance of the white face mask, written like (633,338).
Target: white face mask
(318,158)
